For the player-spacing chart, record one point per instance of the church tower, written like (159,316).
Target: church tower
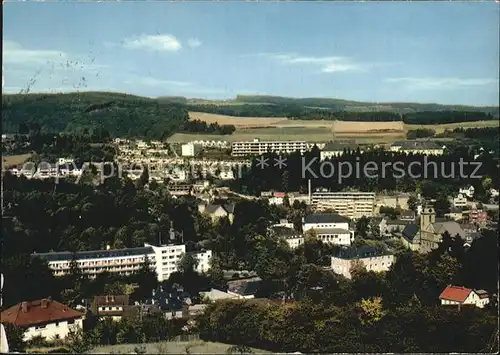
(427,218)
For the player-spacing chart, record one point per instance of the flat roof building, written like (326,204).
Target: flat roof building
(348,204)
(258,147)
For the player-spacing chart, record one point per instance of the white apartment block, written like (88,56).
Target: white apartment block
(190,149)
(373,260)
(163,259)
(348,204)
(417,147)
(258,147)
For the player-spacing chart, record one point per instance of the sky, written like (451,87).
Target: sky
(440,52)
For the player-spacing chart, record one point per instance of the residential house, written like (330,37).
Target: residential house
(455,214)
(494,192)
(336,236)
(110,306)
(373,258)
(217,211)
(417,147)
(467,191)
(458,296)
(478,216)
(244,289)
(292,237)
(203,257)
(460,201)
(45,317)
(277,198)
(407,215)
(388,227)
(190,149)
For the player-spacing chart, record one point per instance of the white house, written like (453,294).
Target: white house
(373,258)
(458,295)
(337,236)
(467,191)
(494,192)
(460,201)
(203,258)
(46,318)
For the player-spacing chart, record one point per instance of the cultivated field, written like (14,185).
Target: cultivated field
(282,128)
(439,128)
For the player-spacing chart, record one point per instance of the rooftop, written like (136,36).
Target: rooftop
(322,231)
(325,218)
(366,251)
(455,293)
(27,314)
(94,254)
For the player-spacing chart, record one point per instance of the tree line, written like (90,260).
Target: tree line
(199,126)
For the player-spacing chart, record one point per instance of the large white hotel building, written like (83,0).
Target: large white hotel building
(347,204)
(258,147)
(164,260)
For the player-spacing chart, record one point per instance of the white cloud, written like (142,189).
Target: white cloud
(328,64)
(14,53)
(194,42)
(431,83)
(165,43)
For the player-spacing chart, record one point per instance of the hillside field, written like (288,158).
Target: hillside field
(282,128)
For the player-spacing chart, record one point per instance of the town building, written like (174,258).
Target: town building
(460,201)
(467,191)
(258,147)
(388,227)
(417,147)
(45,317)
(348,204)
(458,296)
(336,149)
(325,220)
(216,295)
(203,257)
(426,234)
(336,236)
(215,211)
(288,233)
(455,214)
(163,260)
(110,306)
(190,149)
(478,216)
(373,258)
(244,289)
(407,215)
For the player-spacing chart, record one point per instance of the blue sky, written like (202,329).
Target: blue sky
(409,51)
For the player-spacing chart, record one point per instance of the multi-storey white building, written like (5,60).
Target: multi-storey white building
(258,147)
(417,147)
(164,260)
(348,204)
(190,149)
(460,201)
(373,258)
(337,236)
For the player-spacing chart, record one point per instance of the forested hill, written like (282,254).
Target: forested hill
(335,109)
(120,114)
(359,106)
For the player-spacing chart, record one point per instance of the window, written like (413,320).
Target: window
(71,321)
(57,324)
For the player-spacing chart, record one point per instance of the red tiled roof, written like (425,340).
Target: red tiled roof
(36,314)
(455,293)
(279,194)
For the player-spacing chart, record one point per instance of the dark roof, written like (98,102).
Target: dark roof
(365,251)
(66,255)
(38,312)
(407,214)
(410,232)
(417,145)
(229,207)
(246,289)
(339,146)
(325,218)
(284,231)
(396,222)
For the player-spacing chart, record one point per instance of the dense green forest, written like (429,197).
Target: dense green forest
(121,115)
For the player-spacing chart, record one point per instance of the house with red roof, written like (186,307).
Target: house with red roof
(458,295)
(46,318)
